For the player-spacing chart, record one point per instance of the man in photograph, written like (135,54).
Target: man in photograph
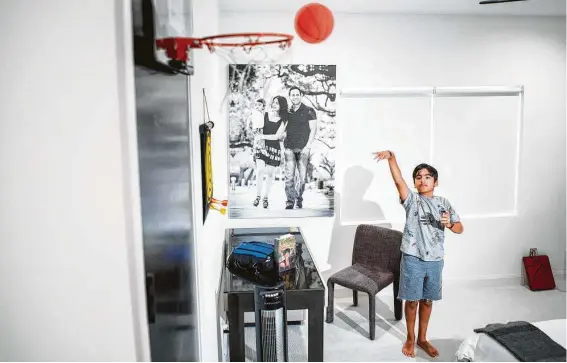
(301,130)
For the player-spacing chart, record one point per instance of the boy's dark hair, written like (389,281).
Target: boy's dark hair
(296,88)
(429,168)
(261,100)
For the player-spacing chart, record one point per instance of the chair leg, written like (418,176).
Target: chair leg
(372,315)
(398,306)
(330,302)
(354,298)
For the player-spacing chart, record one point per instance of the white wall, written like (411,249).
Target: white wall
(210,235)
(66,214)
(390,51)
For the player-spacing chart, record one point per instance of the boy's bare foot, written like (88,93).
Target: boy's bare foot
(408,348)
(429,349)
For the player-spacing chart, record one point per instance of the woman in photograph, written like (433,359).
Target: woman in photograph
(270,155)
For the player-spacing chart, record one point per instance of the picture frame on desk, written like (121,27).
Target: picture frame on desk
(286,252)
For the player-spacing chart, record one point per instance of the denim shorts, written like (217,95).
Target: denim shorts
(420,280)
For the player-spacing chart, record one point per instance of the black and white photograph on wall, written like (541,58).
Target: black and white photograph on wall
(282,133)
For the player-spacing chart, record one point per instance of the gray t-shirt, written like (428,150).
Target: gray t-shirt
(423,233)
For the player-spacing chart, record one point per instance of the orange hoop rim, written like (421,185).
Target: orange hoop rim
(177,47)
(211,41)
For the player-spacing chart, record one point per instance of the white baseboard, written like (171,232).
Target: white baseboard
(487,281)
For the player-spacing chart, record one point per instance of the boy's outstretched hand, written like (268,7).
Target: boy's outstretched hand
(382,155)
(395,170)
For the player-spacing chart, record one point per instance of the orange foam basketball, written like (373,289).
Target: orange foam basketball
(314,23)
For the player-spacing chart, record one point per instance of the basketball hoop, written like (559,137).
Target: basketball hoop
(236,48)
(241,51)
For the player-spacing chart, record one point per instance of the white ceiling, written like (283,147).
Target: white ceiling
(462,7)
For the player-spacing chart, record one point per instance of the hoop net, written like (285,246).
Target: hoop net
(251,48)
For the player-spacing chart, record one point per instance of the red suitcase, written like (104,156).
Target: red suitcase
(538,272)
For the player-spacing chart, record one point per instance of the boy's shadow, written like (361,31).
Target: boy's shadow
(350,203)
(356,182)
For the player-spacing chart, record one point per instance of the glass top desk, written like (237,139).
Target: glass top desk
(304,290)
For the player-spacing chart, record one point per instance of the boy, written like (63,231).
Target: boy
(427,216)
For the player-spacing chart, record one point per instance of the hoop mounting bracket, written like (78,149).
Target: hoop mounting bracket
(176,48)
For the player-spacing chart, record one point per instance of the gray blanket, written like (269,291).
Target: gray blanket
(526,342)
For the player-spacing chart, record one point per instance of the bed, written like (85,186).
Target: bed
(480,347)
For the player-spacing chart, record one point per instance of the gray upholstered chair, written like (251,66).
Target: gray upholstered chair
(376,260)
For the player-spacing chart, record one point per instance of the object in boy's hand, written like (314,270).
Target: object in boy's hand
(444,214)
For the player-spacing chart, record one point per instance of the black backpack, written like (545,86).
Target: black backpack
(254,262)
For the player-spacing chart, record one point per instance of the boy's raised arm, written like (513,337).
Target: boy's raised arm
(403,188)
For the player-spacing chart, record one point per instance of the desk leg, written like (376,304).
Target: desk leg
(236,346)
(315,331)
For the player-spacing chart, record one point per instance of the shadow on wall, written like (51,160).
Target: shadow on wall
(356,182)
